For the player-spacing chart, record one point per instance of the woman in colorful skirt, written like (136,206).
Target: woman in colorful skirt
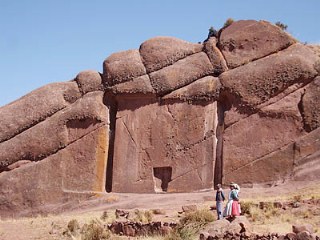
(232,208)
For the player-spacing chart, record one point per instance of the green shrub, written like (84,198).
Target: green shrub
(228,22)
(212,32)
(282,25)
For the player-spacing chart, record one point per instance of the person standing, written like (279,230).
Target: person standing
(219,201)
(232,208)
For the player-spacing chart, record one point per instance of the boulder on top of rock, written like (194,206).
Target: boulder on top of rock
(215,56)
(181,73)
(247,40)
(56,132)
(137,85)
(203,89)
(42,103)
(160,52)
(89,81)
(260,80)
(311,105)
(122,66)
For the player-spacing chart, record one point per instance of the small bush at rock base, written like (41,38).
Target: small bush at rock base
(94,231)
(73,225)
(190,225)
(143,216)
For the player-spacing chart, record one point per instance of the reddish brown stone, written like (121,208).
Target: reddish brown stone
(63,128)
(203,89)
(137,85)
(163,147)
(215,56)
(122,66)
(55,180)
(307,157)
(42,103)
(89,81)
(286,107)
(181,73)
(160,52)
(260,80)
(298,228)
(299,159)
(217,228)
(247,40)
(86,157)
(311,105)
(274,167)
(18,164)
(167,133)
(254,137)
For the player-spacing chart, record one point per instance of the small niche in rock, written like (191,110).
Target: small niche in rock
(162,177)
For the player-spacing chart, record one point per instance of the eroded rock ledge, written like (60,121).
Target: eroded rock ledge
(171,116)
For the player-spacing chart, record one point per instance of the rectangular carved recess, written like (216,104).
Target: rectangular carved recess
(159,146)
(162,177)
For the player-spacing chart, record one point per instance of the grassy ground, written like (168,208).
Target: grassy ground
(296,200)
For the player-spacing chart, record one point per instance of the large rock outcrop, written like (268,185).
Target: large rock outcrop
(171,116)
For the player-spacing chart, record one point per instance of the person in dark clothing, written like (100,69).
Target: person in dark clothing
(219,201)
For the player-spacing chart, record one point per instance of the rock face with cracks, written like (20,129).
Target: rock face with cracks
(171,116)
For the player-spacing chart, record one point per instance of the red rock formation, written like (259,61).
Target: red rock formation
(170,117)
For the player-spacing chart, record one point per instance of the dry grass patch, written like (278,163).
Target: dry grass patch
(142,216)
(266,217)
(190,225)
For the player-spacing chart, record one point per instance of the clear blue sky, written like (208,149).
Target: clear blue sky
(43,41)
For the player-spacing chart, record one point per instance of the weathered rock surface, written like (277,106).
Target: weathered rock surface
(260,80)
(166,146)
(58,131)
(169,117)
(89,81)
(122,66)
(221,228)
(160,52)
(247,40)
(36,107)
(216,58)
(262,136)
(203,89)
(181,73)
(137,85)
(311,105)
(55,179)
